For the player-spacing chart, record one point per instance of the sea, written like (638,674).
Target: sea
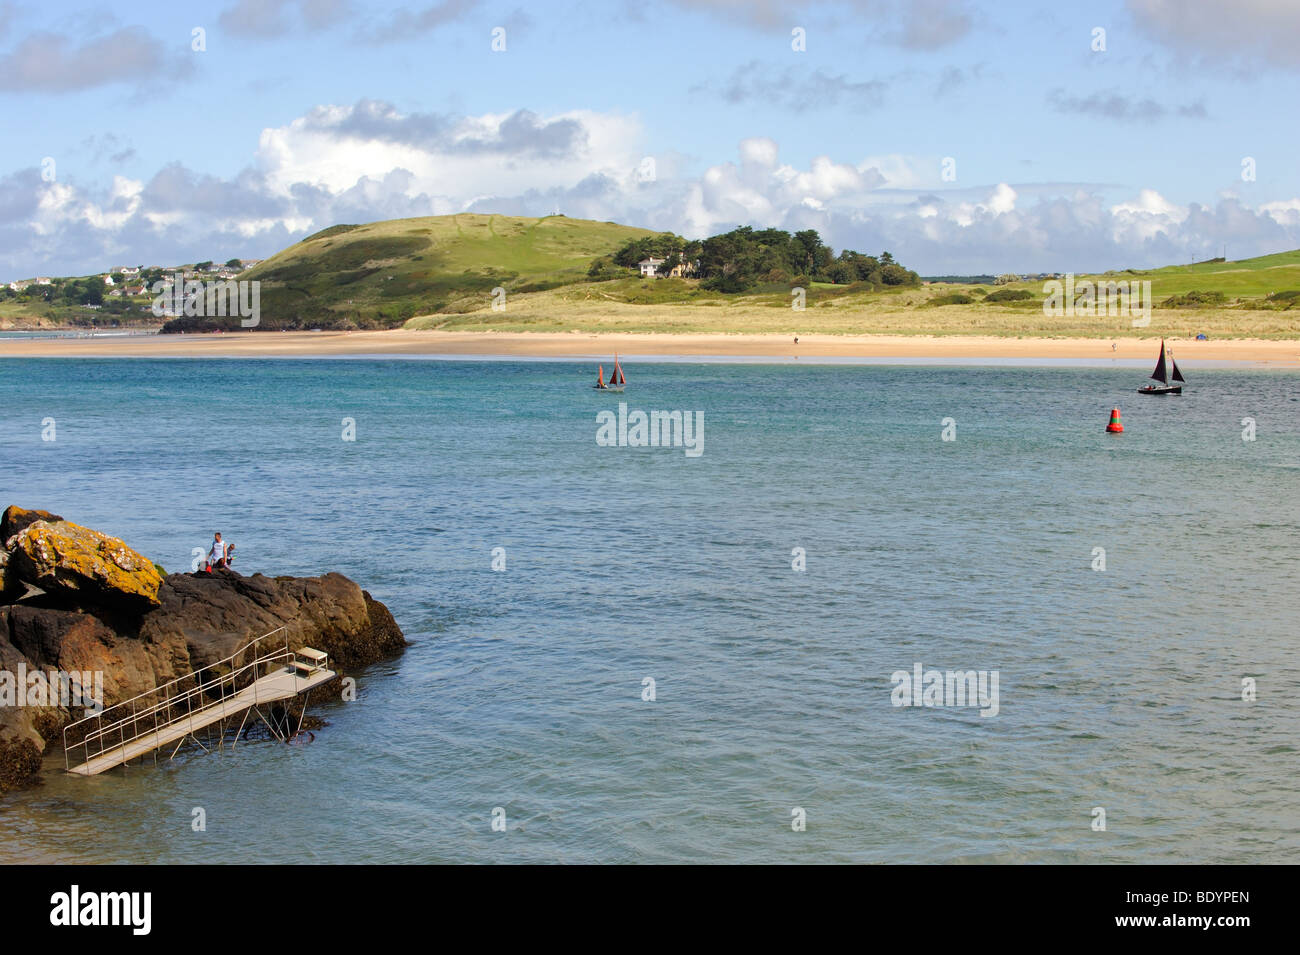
(625,654)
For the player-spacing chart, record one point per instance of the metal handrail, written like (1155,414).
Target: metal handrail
(187,696)
(101,732)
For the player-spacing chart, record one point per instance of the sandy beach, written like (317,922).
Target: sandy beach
(587,346)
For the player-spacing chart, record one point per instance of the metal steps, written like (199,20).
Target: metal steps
(177,710)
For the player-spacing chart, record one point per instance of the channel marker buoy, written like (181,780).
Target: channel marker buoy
(1114,427)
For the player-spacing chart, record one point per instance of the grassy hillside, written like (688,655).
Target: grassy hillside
(384,273)
(1257,301)
(1244,283)
(439,272)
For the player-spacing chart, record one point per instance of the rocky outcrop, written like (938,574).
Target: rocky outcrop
(15,520)
(215,614)
(88,621)
(64,558)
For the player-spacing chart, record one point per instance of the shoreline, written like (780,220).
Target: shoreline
(586,346)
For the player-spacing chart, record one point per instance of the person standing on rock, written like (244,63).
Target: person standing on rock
(216,556)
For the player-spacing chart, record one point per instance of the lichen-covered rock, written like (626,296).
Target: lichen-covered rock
(17,519)
(63,557)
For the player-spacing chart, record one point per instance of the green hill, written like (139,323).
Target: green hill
(381,274)
(440,271)
(1263,281)
(1244,279)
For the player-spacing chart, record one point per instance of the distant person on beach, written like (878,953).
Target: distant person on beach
(230,557)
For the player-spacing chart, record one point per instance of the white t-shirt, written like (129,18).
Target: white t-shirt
(218,552)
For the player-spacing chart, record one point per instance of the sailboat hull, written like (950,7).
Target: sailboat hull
(1161,390)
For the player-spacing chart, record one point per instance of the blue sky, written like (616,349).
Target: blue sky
(302,113)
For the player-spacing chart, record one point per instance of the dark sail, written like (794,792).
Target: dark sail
(1160,374)
(1177,375)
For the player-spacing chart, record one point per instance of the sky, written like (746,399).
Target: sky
(963,137)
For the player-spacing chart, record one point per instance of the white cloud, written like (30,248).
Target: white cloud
(335,147)
(1286,212)
(369,161)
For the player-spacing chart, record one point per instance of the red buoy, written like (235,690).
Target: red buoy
(1114,427)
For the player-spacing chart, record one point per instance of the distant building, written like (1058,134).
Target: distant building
(133,289)
(108,280)
(650,267)
(128,271)
(44,280)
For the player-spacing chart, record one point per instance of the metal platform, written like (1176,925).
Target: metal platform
(175,711)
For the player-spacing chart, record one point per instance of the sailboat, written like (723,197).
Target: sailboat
(616,379)
(1163,376)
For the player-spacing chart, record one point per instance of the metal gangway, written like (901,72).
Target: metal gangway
(174,711)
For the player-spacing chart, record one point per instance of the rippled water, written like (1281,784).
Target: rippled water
(522,689)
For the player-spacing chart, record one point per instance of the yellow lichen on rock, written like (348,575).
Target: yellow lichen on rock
(63,556)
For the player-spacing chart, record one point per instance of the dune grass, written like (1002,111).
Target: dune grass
(681,307)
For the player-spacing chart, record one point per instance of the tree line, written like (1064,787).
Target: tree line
(744,258)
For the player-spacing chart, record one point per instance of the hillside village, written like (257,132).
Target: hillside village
(125,293)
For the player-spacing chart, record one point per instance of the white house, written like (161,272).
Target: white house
(650,267)
(108,280)
(44,280)
(128,271)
